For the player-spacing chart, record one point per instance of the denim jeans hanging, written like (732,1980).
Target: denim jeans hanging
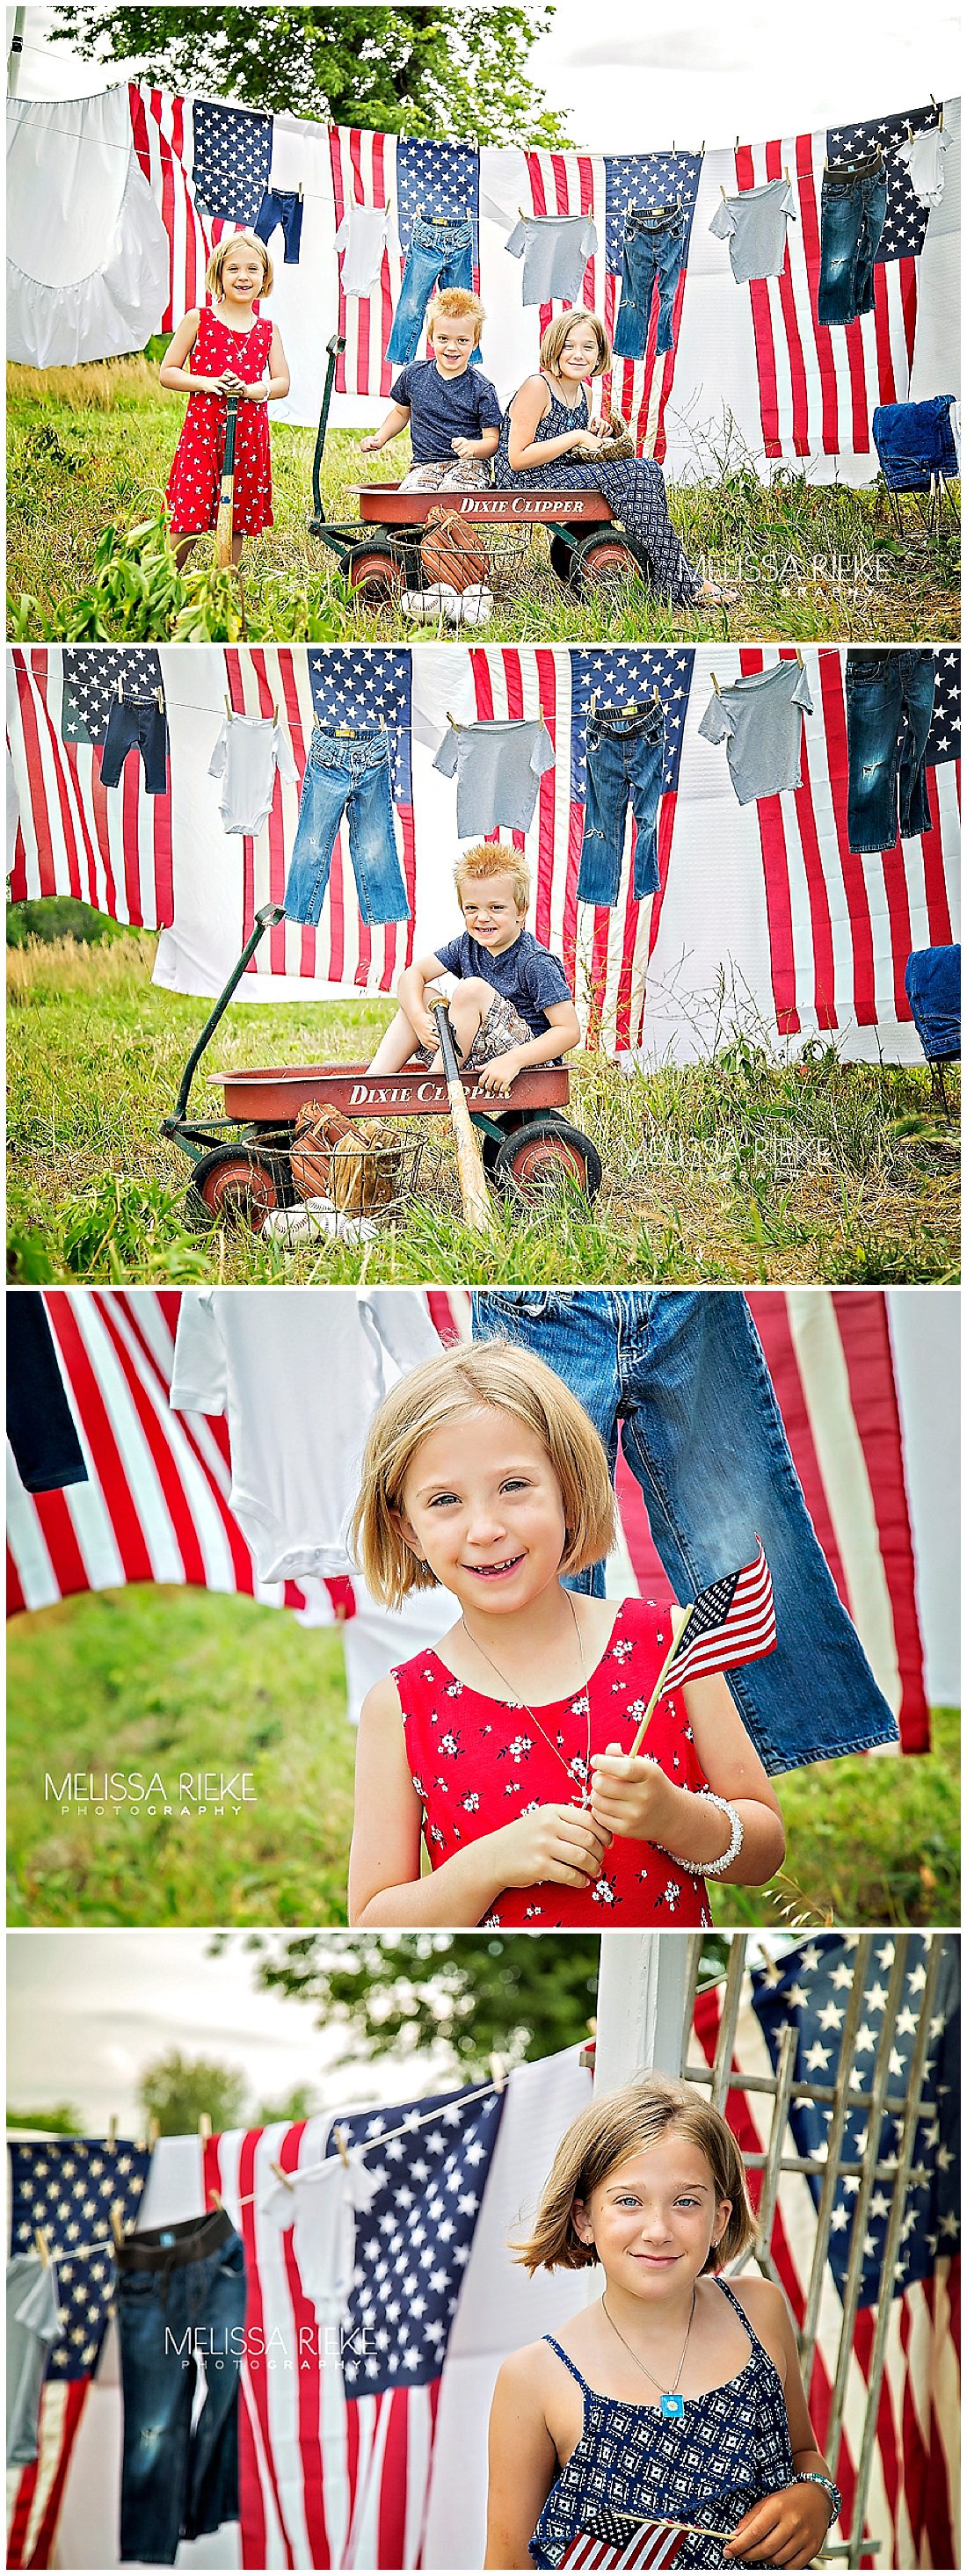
(281,206)
(625,765)
(653,248)
(347,773)
(141,723)
(853,215)
(440,254)
(889,706)
(180,2306)
(684,1371)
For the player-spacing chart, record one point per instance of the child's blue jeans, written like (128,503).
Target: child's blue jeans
(439,254)
(347,774)
(180,2307)
(853,215)
(889,705)
(654,237)
(625,762)
(684,1372)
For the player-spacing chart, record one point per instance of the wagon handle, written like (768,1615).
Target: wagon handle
(266,919)
(333,349)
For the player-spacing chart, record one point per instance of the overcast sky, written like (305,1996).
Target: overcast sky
(634,75)
(87,2011)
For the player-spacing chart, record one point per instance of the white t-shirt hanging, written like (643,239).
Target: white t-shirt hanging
(361,239)
(759,719)
(299,1376)
(924,157)
(246,756)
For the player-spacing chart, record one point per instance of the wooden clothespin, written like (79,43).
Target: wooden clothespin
(455,722)
(117,2224)
(715,686)
(160,695)
(204,2127)
(785,172)
(340,2138)
(300,202)
(215,2197)
(657,695)
(594,702)
(229,709)
(112,2130)
(498,2070)
(43,2247)
(154,2132)
(120,689)
(725,199)
(281,2175)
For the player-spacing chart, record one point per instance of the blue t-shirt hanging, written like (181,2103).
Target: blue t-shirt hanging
(443,408)
(526,974)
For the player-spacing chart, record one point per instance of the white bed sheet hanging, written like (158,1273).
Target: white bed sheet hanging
(87,252)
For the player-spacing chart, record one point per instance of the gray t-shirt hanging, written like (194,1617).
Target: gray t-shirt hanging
(33,2324)
(759,718)
(555,250)
(754,225)
(497,768)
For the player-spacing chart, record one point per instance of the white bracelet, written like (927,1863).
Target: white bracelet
(714,1868)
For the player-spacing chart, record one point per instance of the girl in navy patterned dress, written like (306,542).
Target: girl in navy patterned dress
(506,1750)
(221,349)
(675,2397)
(548,437)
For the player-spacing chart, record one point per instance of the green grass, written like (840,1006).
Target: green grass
(154,1679)
(162,1680)
(740,1168)
(89,447)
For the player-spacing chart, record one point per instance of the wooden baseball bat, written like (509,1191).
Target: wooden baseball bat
(226,493)
(470,1171)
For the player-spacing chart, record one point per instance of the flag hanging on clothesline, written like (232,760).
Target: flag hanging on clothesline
(110,847)
(335,2464)
(912,2498)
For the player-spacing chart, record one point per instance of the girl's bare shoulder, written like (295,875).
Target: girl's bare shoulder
(381,1706)
(765,2306)
(529,2373)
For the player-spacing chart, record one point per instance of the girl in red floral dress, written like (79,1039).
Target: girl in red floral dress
(221,349)
(507,1749)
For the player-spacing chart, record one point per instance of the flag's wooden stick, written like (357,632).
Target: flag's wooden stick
(226,494)
(470,1171)
(678,1619)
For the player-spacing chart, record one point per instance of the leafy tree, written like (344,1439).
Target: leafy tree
(298,2105)
(465,1996)
(443,74)
(61,2122)
(176,2090)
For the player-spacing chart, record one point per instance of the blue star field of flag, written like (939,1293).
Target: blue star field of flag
(68,2186)
(437,179)
(620,677)
(413,2244)
(810,1990)
(368,686)
(943,739)
(646,179)
(91,675)
(906,220)
(232,156)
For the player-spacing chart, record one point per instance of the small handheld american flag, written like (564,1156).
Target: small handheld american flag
(610,2539)
(732,1622)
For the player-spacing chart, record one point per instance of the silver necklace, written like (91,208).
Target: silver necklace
(672,2404)
(517,1702)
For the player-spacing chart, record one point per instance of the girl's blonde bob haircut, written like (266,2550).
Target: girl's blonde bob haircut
(619,2126)
(489,1374)
(556,334)
(234,241)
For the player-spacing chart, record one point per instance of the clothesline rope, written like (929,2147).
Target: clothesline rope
(496,2084)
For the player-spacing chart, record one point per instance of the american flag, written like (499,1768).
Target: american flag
(161,126)
(733,1621)
(912,2500)
(388,170)
(67,2187)
(611,2540)
(335,2465)
(362,685)
(606,188)
(109,847)
(156,1507)
(819,384)
(605,952)
(841,926)
(231,159)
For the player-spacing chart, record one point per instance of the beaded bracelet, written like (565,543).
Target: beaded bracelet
(714,1868)
(814,2478)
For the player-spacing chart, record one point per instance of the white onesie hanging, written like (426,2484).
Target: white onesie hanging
(321,2207)
(246,756)
(87,252)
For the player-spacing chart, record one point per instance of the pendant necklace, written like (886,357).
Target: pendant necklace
(672,2403)
(516,1702)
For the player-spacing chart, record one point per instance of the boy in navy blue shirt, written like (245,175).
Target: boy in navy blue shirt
(448,404)
(511,1002)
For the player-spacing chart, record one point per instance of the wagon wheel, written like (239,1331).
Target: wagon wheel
(231,1187)
(376,573)
(604,564)
(544,1151)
